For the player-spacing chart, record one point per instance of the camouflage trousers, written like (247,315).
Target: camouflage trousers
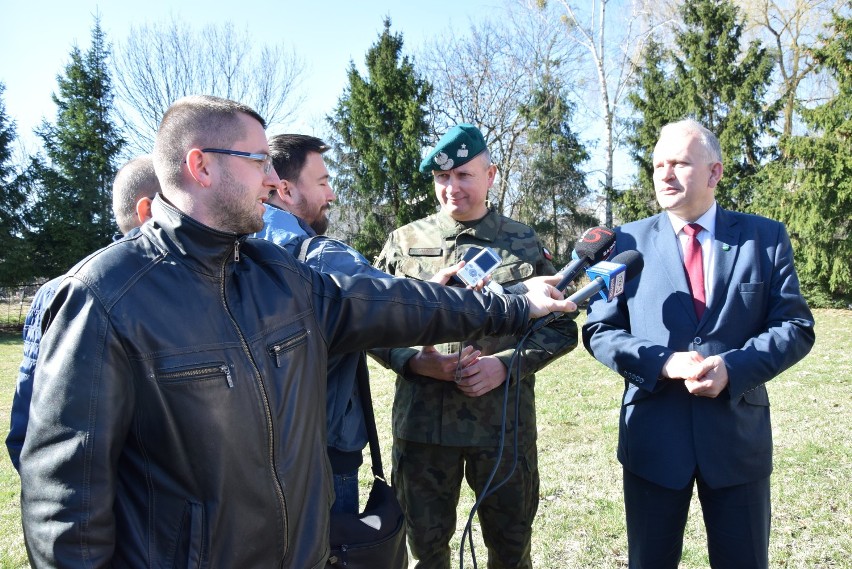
(428,481)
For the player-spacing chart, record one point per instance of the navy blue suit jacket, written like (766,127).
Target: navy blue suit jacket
(757,321)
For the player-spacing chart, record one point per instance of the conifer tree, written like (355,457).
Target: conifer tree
(14,248)
(656,104)
(711,77)
(810,188)
(380,129)
(72,214)
(554,184)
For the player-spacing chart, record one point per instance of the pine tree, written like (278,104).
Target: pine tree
(555,184)
(810,188)
(709,77)
(15,267)
(380,125)
(73,211)
(656,103)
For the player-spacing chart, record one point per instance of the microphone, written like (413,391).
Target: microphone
(594,245)
(608,278)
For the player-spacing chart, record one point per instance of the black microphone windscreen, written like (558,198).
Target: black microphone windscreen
(595,244)
(633,262)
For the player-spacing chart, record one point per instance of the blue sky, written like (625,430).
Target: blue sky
(36,38)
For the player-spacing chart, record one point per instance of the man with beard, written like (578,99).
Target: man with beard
(297,219)
(178,407)
(296,213)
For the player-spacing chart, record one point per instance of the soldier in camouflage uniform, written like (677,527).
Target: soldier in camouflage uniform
(447,421)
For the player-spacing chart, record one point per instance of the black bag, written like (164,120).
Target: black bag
(375,538)
(356,544)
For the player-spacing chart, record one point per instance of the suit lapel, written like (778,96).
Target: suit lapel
(726,246)
(668,250)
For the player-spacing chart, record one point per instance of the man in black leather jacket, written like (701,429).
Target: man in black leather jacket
(178,415)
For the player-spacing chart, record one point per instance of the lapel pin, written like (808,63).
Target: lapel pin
(726,247)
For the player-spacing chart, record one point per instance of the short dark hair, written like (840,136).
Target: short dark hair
(289,152)
(200,121)
(134,181)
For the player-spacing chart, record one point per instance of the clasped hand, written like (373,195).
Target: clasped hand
(473,373)
(704,377)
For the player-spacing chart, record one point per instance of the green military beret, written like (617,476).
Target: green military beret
(459,145)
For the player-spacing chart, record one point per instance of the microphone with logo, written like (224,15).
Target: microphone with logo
(608,279)
(594,245)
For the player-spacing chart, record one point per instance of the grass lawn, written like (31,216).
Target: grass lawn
(580,518)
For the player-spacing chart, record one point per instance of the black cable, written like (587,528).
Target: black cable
(486,489)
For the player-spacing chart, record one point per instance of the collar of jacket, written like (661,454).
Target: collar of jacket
(485,229)
(276,213)
(194,244)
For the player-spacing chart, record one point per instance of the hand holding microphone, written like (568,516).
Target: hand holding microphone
(594,245)
(608,279)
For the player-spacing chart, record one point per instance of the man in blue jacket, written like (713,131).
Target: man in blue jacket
(296,213)
(296,218)
(714,315)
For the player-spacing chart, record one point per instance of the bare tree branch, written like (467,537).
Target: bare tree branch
(792,28)
(159,63)
(484,77)
(614,42)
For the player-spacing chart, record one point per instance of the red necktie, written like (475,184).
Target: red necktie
(694,265)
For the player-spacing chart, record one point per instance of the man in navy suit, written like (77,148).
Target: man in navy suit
(696,356)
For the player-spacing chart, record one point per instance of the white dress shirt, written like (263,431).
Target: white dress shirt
(705,237)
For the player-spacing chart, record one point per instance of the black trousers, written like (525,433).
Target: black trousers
(736,519)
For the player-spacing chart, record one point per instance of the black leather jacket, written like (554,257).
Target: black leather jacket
(178,415)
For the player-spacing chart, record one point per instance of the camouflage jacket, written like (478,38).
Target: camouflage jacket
(431,411)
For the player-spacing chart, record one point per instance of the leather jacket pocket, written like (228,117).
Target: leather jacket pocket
(189,545)
(281,347)
(195,373)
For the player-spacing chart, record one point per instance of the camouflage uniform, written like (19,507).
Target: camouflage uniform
(440,434)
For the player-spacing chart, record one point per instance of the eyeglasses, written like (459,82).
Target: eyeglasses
(266,159)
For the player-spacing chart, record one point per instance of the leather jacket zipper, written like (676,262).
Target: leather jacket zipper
(197,374)
(286,345)
(270,435)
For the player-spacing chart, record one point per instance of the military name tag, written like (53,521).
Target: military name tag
(425,252)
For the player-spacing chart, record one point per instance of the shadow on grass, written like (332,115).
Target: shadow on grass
(10,335)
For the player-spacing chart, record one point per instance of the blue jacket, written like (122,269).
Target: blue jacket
(24,387)
(757,322)
(347,431)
